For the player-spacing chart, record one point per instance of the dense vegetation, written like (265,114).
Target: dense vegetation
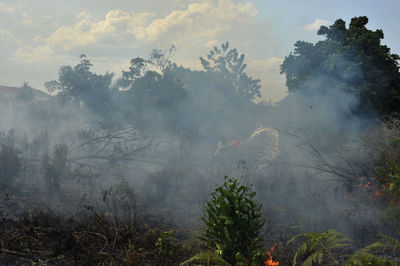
(117,171)
(350,59)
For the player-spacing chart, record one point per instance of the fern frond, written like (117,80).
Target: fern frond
(318,244)
(369,254)
(360,259)
(314,258)
(373,248)
(205,258)
(302,249)
(389,242)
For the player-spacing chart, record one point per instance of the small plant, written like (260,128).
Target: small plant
(233,223)
(317,246)
(166,248)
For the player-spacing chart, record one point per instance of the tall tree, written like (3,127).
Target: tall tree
(231,66)
(79,84)
(348,59)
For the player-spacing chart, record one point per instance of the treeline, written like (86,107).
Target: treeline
(155,93)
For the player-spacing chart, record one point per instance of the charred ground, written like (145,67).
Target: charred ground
(102,170)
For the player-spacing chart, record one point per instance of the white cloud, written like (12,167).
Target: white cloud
(34,54)
(7,9)
(200,23)
(316,24)
(115,28)
(9,43)
(8,36)
(195,26)
(27,19)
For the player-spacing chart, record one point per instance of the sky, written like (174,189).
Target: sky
(39,36)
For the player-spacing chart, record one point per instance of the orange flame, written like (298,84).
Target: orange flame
(270,261)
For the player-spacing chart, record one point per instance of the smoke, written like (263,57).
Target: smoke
(157,140)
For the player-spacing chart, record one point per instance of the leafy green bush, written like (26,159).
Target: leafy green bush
(233,223)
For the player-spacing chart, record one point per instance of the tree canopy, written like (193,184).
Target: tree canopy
(79,84)
(348,59)
(231,66)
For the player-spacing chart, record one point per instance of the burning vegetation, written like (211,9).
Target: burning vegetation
(123,171)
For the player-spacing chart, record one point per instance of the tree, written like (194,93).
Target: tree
(350,59)
(233,223)
(25,93)
(152,96)
(162,59)
(79,84)
(137,69)
(231,66)
(159,59)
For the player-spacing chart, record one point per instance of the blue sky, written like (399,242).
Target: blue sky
(36,37)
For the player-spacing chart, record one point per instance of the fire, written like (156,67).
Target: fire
(369,188)
(270,261)
(368,185)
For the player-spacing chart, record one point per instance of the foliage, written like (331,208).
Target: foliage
(231,66)
(162,59)
(137,69)
(385,152)
(166,248)
(388,166)
(156,90)
(351,60)
(369,255)
(318,245)
(79,84)
(233,223)
(151,96)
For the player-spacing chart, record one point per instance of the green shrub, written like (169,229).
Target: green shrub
(233,223)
